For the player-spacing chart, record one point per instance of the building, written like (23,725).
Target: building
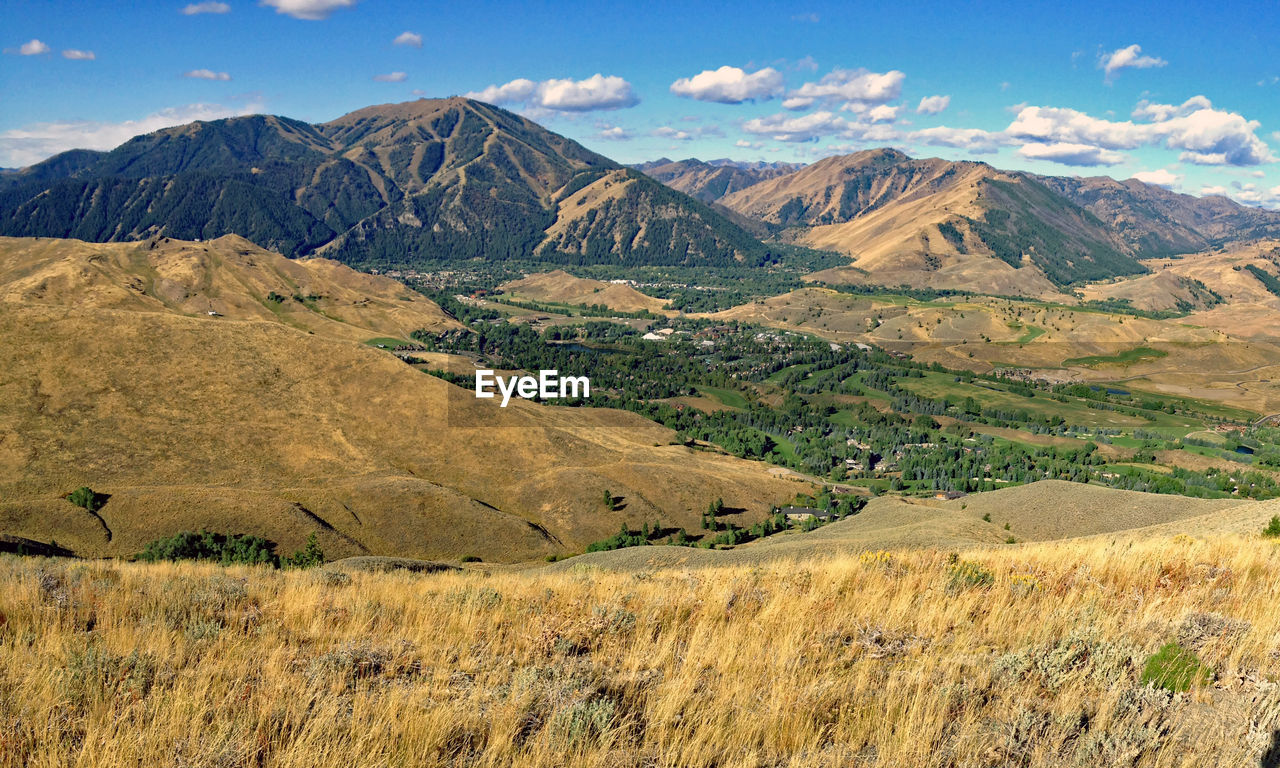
(805,513)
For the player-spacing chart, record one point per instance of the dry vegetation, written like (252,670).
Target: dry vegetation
(1028,656)
(274,418)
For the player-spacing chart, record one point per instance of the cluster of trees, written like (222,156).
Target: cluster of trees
(807,431)
(230,549)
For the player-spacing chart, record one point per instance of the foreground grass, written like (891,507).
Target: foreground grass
(1029,656)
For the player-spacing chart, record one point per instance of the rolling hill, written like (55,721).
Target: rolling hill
(560,287)
(276,417)
(397,183)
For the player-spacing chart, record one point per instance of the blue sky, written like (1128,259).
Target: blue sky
(1175,93)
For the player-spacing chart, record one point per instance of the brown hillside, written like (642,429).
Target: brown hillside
(884,210)
(563,288)
(277,425)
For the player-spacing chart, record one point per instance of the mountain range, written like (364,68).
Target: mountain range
(441,180)
(425,180)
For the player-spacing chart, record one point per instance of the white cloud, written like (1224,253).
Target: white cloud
(311,10)
(613,132)
(744,144)
(730,85)
(78,55)
(975,140)
(1161,178)
(412,39)
(1071,154)
(32,47)
(1206,136)
(807,63)
(853,86)
(932,105)
(806,128)
(883,113)
(562,95)
(1146,110)
(206,74)
(1127,58)
(209,7)
(811,18)
(796,102)
(667,132)
(391,77)
(596,92)
(35,142)
(1213,190)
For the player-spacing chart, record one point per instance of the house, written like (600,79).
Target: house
(653,337)
(863,347)
(805,513)
(949,495)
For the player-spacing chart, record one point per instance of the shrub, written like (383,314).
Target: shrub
(218,547)
(309,556)
(471,559)
(84,496)
(965,575)
(1174,668)
(1272,531)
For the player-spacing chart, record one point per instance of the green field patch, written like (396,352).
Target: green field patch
(729,397)
(944,386)
(388,342)
(1127,357)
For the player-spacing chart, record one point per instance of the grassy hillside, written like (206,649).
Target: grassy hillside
(275,418)
(1036,655)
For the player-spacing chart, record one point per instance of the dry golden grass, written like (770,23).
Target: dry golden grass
(275,419)
(563,288)
(888,659)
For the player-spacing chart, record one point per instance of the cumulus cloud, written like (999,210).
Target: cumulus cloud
(311,10)
(1160,178)
(883,113)
(1206,136)
(974,140)
(1071,154)
(744,144)
(805,128)
(612,132)
(412,39)
(730,85)
(562,95)
(209,7)
(932,105)
(32,47)
(1127,58)
(391,77)
(667,132)
(35,142)
(852,86)
(78,55)
(206,74)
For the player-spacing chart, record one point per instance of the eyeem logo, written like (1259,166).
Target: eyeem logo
(548,385)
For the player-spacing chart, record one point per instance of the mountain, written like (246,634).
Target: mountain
(276,417)
(930,222)
(1153,221)
(710,181)
(424,180)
